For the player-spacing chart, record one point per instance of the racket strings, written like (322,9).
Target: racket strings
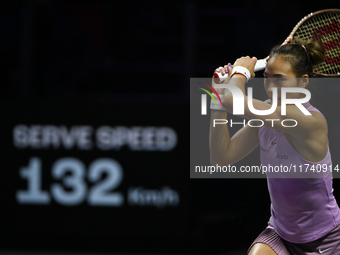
(326,28)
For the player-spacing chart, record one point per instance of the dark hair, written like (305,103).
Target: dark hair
(303,55)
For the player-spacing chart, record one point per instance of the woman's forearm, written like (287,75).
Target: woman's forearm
(239,81)
(219,138)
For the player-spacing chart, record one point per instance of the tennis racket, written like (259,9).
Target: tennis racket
(323,25)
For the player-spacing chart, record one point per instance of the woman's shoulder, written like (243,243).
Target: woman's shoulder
(320,119)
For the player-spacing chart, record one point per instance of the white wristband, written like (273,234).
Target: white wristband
(241,70)
(218,105)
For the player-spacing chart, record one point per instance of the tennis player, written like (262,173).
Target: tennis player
(305,216)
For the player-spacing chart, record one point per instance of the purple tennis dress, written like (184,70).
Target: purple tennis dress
(302,209)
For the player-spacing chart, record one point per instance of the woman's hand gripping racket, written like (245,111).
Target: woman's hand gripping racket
(321,25)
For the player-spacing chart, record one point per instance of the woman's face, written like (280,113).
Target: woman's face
(278,74)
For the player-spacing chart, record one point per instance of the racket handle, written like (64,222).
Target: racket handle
(260,65)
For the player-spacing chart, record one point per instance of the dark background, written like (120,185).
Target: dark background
(128,63)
